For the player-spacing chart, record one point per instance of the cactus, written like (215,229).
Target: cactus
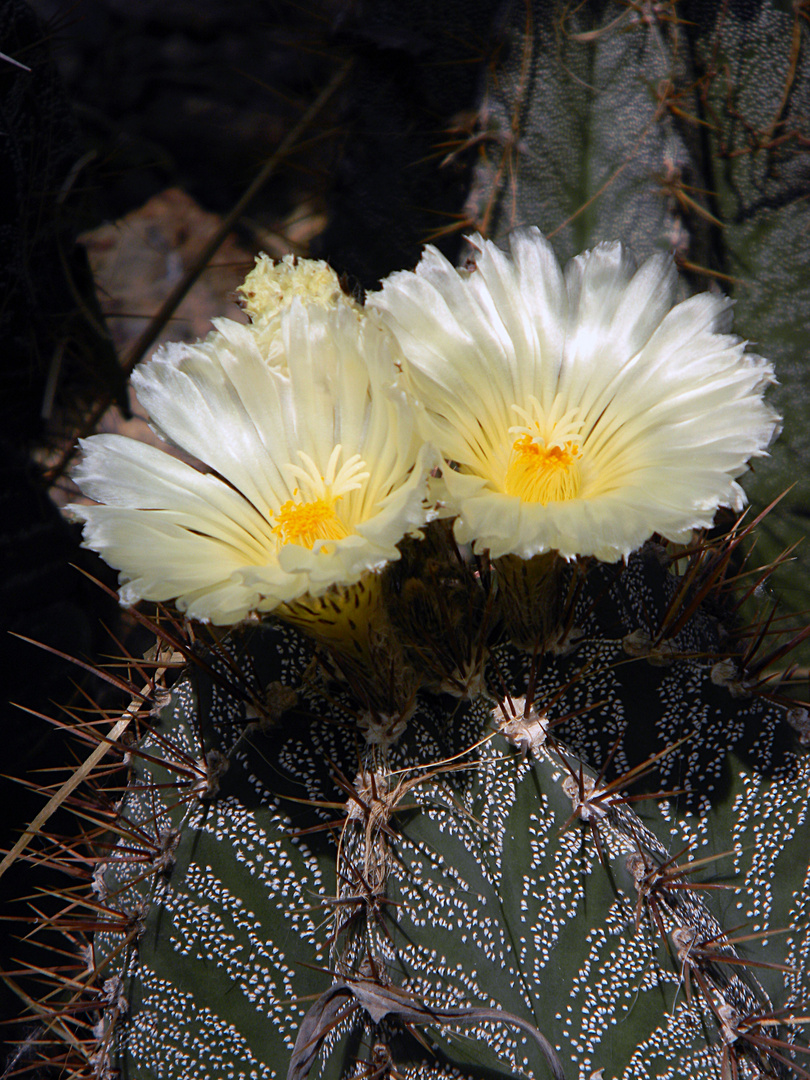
(563,838)
(296,888)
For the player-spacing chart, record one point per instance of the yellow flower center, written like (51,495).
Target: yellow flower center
(545,458)
(540,473)
(307,522)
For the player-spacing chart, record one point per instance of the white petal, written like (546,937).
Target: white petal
(453,345)
(193,399)
(126,473)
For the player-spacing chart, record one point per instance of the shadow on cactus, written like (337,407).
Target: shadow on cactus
(481,769)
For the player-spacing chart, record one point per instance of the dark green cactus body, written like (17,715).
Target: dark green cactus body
(465,865)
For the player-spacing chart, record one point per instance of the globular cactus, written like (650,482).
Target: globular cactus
(292,892)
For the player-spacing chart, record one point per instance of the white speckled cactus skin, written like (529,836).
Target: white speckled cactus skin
(461,874)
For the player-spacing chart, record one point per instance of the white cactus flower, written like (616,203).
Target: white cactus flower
(317,469)
(581,411)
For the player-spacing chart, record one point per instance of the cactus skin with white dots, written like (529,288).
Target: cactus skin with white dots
(402,892)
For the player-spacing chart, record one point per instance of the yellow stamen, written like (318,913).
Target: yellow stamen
(307,522)
(542,474)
